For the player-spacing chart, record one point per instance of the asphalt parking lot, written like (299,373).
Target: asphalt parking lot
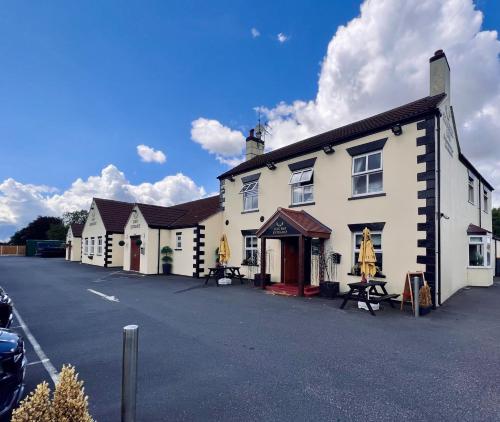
(236,353)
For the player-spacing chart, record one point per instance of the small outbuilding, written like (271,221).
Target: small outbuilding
(192,230)
(74,242)
(103,232)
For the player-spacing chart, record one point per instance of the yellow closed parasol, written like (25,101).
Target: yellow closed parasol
(224,252)
(367,258)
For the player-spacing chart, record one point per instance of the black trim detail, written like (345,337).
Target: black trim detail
(366,148)
(373,195)
(198,253)
(248,232)
(429,195)
(250,178)
(299,165)
(371,226)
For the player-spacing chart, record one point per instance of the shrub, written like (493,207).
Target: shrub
(36,407)
(69,402)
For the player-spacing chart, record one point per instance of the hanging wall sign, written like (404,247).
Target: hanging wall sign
(280,228)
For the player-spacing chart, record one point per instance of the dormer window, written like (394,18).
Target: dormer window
(302,186)
(250,192)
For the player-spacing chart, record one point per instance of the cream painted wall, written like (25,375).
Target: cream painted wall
(332,188)
(76,242)
(213,232)
(94,227)
(455,273)
(116,250)
(183,258)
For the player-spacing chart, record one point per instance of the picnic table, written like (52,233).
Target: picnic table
(221,272)
(368,293)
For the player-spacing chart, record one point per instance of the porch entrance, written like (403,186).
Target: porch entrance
(295,230)
(135,254)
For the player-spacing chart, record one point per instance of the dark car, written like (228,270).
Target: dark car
(5,309)
(12,371)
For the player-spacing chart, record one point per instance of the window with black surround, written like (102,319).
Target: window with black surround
(479,251)
(250,192)
(178,241)
(250,249)
(99,245)
(367,174)
(302,186)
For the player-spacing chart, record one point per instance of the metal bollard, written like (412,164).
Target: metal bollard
(416,293)
(129,372)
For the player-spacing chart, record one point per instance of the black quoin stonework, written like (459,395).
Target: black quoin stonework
(199,243)
(107,249)
(429,195)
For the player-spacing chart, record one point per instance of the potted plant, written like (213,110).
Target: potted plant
(244,262)
(138,242)
(167,259)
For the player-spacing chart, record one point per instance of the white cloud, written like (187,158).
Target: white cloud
(379,60)
(255,32)
(225,143)
(282,37)
(21,203)
(150,155)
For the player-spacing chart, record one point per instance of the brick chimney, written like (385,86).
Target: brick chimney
(439,74)
(254,145)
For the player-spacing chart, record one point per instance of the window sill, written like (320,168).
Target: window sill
(249,211)
(479,268)
(304,204)
(375,276)
(249,265)
(372,195)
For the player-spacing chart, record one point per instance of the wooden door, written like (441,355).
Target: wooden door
(290,260)
(135,254)
(69,250)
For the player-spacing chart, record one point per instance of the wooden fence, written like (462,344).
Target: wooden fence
(12,250)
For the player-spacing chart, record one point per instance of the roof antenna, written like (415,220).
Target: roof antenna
(261,130)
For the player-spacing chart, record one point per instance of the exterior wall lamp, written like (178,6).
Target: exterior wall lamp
(397,129)
(271,165)
(328,149)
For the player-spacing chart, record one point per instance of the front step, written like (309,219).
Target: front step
(292,290)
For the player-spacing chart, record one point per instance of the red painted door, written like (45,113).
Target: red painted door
(290,260)
(135,253)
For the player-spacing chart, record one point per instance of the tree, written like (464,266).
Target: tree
(37,229)
(57,232)
(496,221)
(72,217)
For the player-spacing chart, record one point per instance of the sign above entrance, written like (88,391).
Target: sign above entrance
(280,228)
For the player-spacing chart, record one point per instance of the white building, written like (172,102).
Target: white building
(103,232)
(192,230)
(74,242)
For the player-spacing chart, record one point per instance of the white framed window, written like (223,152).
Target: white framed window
(485,200)
(86,246)
(302,186)
(250,193)
(99,245)
(367,174)
(250,249)
(92,245)
(471,189)
(178,240)
(479,251)
(377,247)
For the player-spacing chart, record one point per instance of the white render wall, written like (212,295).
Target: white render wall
(76,242)
(332,188)
(213,232)
(455,273)
(94,227)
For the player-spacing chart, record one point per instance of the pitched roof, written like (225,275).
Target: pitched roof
(77,229)
(342,134)
(114,214)
(473,229)
(304,222)
(182,215)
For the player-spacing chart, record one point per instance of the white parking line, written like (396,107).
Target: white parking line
(38,350)
(110,298)
(37,362)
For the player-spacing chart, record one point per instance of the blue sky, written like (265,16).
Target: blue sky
(83,83)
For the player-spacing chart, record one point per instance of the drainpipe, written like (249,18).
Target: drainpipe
(438,193)
(159,249)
